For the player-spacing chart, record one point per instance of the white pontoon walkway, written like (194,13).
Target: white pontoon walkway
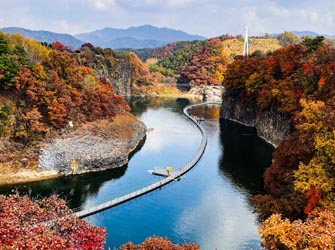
(174,175)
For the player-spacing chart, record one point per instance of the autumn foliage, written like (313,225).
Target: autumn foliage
(207,66)
(159,243)
(44,224)
(47,87)
(299,82)
(270,80)
(317,232)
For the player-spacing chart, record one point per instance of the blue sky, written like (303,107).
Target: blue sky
(204,17)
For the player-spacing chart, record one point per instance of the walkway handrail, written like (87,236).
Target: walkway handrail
(158,184)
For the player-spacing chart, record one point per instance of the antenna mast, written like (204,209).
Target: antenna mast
(246,43)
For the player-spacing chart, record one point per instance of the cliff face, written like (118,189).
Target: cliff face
(271,125)
(94,148)
(119,73)
(207,92)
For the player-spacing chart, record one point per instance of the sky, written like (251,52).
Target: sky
(208,18)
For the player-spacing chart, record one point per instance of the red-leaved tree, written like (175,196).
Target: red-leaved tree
(44,224)
(159,243)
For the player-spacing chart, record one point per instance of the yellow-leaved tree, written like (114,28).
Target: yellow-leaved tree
(317,178)
(317,232)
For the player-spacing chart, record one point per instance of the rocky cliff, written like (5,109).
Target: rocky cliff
(95,147)
(271,125)
(119,73)
(207,92)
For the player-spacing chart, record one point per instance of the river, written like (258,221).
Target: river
(208,206)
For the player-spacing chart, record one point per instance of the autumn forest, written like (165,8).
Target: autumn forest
(298,81)
(44,86)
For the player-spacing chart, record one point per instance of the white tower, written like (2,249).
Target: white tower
(246,43)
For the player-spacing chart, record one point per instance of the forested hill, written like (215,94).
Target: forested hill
(45,36)
(202,62)
(44,87)
(205,62)
(298,81)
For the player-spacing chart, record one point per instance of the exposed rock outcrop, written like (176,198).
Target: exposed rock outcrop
(207,92)
(118,74)
(96,147)
(269,123)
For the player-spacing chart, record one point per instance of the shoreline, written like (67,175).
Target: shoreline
(130,134)
(40,173)
(26,176)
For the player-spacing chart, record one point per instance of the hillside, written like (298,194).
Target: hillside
(295,83)
(42,89)
(145,36)
(203,62)
(45,36)
(234,47)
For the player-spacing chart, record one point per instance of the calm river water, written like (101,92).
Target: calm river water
(208,206)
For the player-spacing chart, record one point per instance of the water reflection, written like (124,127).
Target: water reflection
(208,206)
(220,216)
(139,105)
(245,155)
(75,189)
(209,112)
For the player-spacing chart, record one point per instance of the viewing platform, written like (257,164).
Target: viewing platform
(165,172)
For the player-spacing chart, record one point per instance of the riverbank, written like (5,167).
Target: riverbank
(90,147)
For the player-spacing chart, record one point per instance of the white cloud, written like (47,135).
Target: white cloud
(205,17)
(103,4)
(224,228)
(278,11)
(161,5)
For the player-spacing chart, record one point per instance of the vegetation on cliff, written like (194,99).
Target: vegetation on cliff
(298,81)
(44,87)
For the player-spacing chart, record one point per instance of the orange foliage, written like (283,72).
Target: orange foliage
(282,81)
(207,66)
(322,81)
(61,90)
(317,232)
(57,113)
(159,243)
(272,80)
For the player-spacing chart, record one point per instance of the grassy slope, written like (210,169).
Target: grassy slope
(235,47)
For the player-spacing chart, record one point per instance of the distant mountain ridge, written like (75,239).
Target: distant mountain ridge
(311,33)
(305,33)
(45,36)
(145,36)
